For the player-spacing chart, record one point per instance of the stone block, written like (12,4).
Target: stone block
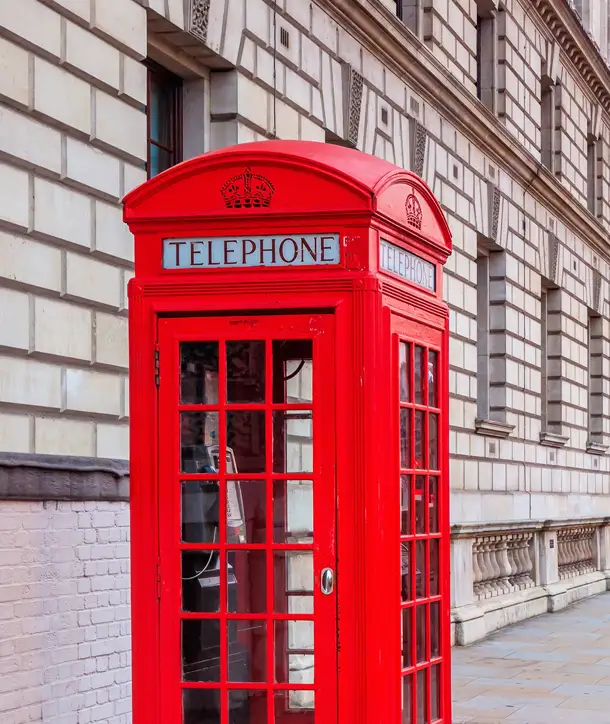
(29,262)
(61,213)
(125,28)
(91,168)
(35,144)
(134,80)
(92,280)
(14,73)
(43,33)
(120,126)
(15,433)
(14,196)
(195,102)
(132,176)
(286,121)
(53,86)
(91,55)
(112,236)
(258,21)
(111,344)
(14,319)
(78,8)
(462,581)
(113,441)
(56,436)
(93,392)
(29,382)
(62,329)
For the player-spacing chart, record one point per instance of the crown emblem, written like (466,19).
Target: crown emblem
(414,212)
(247,191)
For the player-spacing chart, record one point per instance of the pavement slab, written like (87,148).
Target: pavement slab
(554,669)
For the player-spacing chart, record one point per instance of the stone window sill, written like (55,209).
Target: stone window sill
(596,448)
(492,428)
(552,439)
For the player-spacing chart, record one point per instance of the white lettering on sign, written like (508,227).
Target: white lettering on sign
(240,251)
(406,265)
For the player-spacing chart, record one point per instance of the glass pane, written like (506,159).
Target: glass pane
(419,439)
(200,512)
(432,378)
(433,441)
(407,699)
(201,706)
(160,159)
(200,581)
(199,373)
(433,503)
(198,440)
(160,111)
(405,505)
(247,581)
(247,650)
(435,692)
(201,650)
(247,706)
(422,697)
(246,440)
(407,638)
(294,702)
(294,581)
(405,372)
(292,372)
(405,581)
(245,372)
(419,376)
(294,657)
(435,631)
(421,623)
(420,569)
(433,570)
(405,438)
(292,442)
(246,507)
(420,504)
(293,511)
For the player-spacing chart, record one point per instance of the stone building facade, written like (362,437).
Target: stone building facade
(502,106)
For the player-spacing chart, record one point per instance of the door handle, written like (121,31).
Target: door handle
(327,581)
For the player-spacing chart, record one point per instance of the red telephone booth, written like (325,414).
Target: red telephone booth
(289,404)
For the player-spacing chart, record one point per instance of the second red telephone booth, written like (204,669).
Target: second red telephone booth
(289,405)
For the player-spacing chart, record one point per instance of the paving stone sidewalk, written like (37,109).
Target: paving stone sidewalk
(553,669)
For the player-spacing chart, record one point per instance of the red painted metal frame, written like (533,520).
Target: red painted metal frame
(318,189)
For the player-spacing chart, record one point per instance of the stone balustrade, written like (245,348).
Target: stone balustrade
(509,571)
(576,551)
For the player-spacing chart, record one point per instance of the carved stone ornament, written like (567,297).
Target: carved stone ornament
(495,214)
(597,288)
(199,18)
(553,256)
(247,191)
(414,211)
(356,87)
(419,155)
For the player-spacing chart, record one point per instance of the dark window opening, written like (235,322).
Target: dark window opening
(164,119)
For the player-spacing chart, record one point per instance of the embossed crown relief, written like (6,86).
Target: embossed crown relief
(414,212)
(247,191)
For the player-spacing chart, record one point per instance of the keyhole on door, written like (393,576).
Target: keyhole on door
(327,581)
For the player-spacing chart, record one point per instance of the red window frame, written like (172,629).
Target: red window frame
(172,332)
(421,525)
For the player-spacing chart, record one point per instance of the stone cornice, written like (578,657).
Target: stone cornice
(385,36)
(575,42)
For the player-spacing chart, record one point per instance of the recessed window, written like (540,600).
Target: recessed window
(164,119)
(409,12)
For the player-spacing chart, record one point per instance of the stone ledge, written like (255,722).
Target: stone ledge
(553,440)
(25,476)
(476,621)
(492,428)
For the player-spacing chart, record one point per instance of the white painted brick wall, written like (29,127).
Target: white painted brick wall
(64,613)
